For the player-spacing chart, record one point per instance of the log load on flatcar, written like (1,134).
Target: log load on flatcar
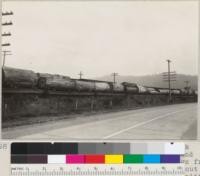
(176,91)
(164,91)
(142,89)
(130,87)
(18,78)
(82,85)
(153,90)
(118,87)
(55,82)
(103,86)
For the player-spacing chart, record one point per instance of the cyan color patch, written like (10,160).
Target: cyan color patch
(151,158)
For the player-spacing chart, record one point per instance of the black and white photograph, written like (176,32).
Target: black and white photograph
(100,70)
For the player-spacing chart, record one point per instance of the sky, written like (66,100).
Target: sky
(99,38)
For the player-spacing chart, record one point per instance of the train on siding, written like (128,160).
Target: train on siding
(18,78)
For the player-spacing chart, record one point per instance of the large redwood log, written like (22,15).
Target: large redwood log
(17,78)
(82,85)
(55,82)
(101,86)
(118,87)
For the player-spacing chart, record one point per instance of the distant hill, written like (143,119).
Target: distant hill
(156,80)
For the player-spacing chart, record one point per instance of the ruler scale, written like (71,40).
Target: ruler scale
(90,170)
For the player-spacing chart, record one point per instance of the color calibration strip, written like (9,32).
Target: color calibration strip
(95,159)
(97,153)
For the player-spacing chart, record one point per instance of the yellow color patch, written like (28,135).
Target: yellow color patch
(113,159)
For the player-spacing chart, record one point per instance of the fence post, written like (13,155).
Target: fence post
(111,103)
(76,104)
(128,100)
(92,104)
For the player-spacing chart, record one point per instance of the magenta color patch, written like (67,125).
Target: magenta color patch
(75,159)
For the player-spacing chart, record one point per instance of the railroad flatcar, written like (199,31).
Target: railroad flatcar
(18,78)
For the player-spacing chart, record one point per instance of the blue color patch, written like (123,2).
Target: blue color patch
(151,158)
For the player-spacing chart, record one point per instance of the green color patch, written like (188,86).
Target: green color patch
(133,159)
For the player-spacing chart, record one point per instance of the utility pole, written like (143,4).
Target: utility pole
(169,79)
(80,75)
(114,76)
(5,53)
(187,83)
(187,88)
(6,34)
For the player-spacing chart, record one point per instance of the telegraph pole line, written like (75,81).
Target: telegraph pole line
(80,75)
(114,77)
(169,79)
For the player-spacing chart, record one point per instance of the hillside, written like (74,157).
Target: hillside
(156,80)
